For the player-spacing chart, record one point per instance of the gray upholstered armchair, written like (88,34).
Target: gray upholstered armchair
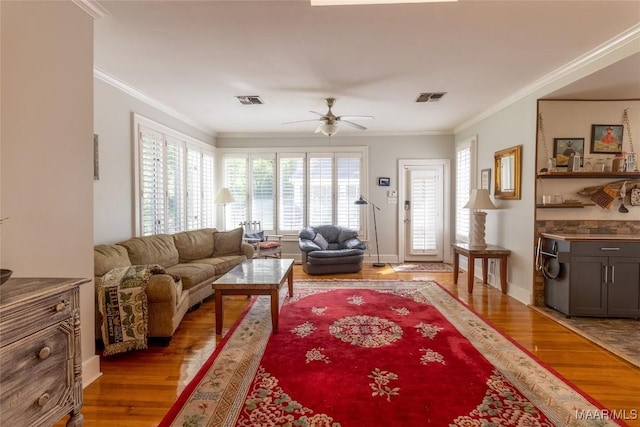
(330,249)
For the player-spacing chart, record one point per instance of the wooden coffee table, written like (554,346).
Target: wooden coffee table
(255,277)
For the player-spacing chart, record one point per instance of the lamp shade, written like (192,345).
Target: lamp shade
(224,196)
(479,200)
(328,128)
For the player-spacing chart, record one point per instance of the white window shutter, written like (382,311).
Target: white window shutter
(291,207)
(151,182)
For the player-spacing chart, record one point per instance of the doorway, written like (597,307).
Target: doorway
(423,209)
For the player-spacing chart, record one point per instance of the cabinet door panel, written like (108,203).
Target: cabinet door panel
(623,290)
(588,291)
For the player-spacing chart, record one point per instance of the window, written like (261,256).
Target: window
(174,180)
(465,171)
(286,191)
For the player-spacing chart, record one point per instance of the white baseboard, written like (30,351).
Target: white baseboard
(90,370)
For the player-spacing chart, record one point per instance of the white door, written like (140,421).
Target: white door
(423,208)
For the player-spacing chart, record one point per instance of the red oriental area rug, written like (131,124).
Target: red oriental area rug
(374,354)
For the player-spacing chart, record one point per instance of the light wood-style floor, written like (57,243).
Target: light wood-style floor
(138,388)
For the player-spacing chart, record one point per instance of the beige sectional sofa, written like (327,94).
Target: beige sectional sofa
(196,257)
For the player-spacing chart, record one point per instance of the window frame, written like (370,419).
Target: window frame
(205,217)
(281,153)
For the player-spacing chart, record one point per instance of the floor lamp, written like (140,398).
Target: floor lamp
(223,197)
(363,201)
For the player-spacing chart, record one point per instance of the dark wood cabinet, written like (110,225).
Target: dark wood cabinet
(598,278)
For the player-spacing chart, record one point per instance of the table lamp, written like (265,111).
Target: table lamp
(479,201)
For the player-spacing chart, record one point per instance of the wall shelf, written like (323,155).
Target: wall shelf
(618,175)
(563,205)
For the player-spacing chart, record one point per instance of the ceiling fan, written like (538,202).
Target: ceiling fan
(329,122)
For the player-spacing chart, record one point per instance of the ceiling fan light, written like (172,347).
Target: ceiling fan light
(329,129)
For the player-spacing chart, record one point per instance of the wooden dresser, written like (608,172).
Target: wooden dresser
(40,361)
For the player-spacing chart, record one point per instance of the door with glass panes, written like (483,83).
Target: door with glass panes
(423,208)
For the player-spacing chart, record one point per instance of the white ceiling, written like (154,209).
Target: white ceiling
(192,58)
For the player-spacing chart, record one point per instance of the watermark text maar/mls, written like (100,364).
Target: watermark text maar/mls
(607,414)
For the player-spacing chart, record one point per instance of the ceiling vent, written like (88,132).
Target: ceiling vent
(250,100)
(430,96)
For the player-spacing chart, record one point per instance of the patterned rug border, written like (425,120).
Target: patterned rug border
(560,318)
(234,362)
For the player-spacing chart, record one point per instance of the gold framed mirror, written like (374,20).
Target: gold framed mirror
(508,175)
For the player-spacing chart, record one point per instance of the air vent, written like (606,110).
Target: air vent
(430,96)
(250,100)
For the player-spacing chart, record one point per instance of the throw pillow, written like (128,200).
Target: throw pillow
(321,241)
(227,242)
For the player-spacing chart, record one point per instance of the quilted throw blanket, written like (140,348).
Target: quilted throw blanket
(122,303)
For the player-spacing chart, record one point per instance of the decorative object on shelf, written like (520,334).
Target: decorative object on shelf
(615,185)
(604,197)
(551,161)
(363,201)
(606,139)
(632,157)
(508,167)
(479,202)
(5,275)
(635,196)
(384,181)
(567,148)
(485,179)
(623,193)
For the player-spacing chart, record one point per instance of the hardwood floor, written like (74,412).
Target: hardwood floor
(138,388)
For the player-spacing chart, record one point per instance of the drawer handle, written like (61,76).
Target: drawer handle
(60,306)
(44,353)
(42,400)
(609,249)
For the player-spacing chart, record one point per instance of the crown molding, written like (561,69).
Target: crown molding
(619,42)
(118,84)
(92,7)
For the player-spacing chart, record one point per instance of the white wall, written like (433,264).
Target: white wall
(46,177)
(114,191)
(513,226)
(384,152)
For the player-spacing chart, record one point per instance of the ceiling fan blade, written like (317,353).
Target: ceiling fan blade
(356,117)
(353,124)
(316,113)
(300,121)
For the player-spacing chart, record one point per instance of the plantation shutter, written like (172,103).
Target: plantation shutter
(194,189)
(463,190)
(291,206)
(208,207)
(263,200)
(348,190)
(151,182)
(175,209)
(424,187)
(235,169)
(320,189)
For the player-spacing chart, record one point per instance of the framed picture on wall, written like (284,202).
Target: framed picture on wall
(485,179)
(563,148)
(606,138)
(384,181)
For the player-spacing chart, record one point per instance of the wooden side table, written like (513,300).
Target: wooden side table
(491,251)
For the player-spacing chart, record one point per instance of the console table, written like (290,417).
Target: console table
(491,251)
(41,373)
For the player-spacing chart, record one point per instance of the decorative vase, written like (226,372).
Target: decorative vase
(4,275)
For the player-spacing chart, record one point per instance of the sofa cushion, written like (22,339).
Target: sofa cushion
(192,273)
(157,249)
(108,257)
(196,244)
(307,233)
(321,242)
(227,242)
(224,263)
(331,233)
(334,253)
(346,234)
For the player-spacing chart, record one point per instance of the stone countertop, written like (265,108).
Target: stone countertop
(592,237)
